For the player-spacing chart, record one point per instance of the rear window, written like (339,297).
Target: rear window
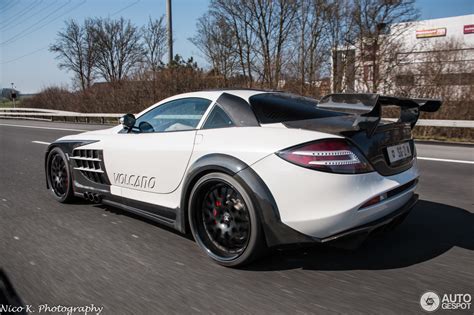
(280,107)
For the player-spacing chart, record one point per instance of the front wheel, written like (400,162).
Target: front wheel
(224,222)
(59,176)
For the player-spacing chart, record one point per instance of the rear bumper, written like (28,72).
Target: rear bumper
(354,236)
(348,239)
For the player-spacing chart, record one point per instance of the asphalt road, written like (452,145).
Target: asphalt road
(81,254)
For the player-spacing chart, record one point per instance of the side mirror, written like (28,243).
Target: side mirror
(128,121)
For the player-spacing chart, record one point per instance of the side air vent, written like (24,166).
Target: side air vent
(90,164)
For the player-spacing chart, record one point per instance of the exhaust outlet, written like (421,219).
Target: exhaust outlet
(92,197)
(96,198)
(89,196)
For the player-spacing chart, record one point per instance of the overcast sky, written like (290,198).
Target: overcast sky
(28,27)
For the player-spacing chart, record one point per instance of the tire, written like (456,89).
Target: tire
(59,177)
(224,222)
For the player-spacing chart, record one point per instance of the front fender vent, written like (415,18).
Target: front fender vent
(90,164)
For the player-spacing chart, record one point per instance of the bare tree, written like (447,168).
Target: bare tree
(338,26)
(310,41)
(119,48)
(239,18)
(76,50)
(272,23)
(216,40)
(154,38)
(260,29)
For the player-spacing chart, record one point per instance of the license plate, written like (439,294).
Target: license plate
(399,152)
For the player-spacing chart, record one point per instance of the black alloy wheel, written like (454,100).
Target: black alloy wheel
(58,176)
(223,220)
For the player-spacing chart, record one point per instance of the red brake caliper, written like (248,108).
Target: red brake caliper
(215,212)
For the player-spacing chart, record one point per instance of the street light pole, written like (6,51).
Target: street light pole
(170,32)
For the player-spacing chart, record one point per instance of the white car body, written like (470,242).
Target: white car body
(152,168)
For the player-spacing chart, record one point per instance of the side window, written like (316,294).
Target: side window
(218,119)
(183,114)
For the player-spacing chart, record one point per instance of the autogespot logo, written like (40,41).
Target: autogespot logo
(430,301)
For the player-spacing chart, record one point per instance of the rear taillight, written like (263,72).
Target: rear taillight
(329,155)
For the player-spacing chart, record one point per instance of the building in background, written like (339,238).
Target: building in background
(424,57)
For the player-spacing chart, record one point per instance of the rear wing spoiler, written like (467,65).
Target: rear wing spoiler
(368,107)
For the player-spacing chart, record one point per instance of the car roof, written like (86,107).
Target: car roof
(209,94)
(214,94)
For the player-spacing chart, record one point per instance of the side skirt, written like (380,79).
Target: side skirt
(140,212)
(162,215)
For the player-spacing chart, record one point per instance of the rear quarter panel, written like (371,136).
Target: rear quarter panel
(250,144)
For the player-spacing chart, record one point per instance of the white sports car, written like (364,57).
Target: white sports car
(245,170)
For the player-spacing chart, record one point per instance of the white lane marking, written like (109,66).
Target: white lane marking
(38,127)
(445,160)
(41,142)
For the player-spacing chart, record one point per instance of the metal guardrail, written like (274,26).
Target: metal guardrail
(32,110)
(444,123)
(50,115)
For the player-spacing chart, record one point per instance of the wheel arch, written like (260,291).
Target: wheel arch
(67,146)
(275,232)
(53,145)
(210,163)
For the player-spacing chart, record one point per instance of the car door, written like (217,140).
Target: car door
(151,159)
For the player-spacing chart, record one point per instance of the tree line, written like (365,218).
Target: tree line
(265,41)
(257,43)
(110,50)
